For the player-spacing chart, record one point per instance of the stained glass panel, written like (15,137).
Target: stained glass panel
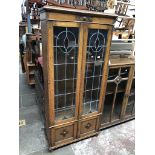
(65,71)
(96,46)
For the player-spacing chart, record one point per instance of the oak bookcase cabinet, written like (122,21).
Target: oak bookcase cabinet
(76,47)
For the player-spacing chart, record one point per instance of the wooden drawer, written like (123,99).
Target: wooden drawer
(88,126)
(64,134)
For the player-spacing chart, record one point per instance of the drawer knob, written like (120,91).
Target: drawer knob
(88,126)
(64,133)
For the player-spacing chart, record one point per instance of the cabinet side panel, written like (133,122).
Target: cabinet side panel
(45,74)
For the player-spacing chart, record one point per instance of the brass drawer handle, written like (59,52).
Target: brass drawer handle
(64,133)
(85,19)
(88,126)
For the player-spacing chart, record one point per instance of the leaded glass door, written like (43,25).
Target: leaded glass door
(115,92)
(66,45)
(95,56)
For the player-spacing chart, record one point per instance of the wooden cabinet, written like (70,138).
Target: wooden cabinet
(76,47)
(119,99)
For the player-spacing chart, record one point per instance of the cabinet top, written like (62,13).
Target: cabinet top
(52,9)
(121,61)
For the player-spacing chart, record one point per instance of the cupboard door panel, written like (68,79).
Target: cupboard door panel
(95,54)
(114,99)
(88,126)
(64,133)
(66,44)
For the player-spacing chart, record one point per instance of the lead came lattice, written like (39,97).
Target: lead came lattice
(65,67)
(94,63)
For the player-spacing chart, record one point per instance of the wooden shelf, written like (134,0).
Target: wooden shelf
(121,61)
(112,92)
(31,82)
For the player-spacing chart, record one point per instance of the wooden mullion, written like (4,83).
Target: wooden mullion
(78,82)
(83,29)
(83,66)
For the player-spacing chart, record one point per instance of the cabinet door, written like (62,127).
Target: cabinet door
(66,66)
(115,93)
(95,58)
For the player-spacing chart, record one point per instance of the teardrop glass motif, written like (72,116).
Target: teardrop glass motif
(66,43)
(97,43)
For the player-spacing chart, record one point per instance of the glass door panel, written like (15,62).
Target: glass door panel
(122,85)
(113,73)
(110,87)
(107,108)
(118,106)
(116,87)
(96,46)
(125,72)
(65,70)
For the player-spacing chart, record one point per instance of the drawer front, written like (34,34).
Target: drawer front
(88,126)
(63,134)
